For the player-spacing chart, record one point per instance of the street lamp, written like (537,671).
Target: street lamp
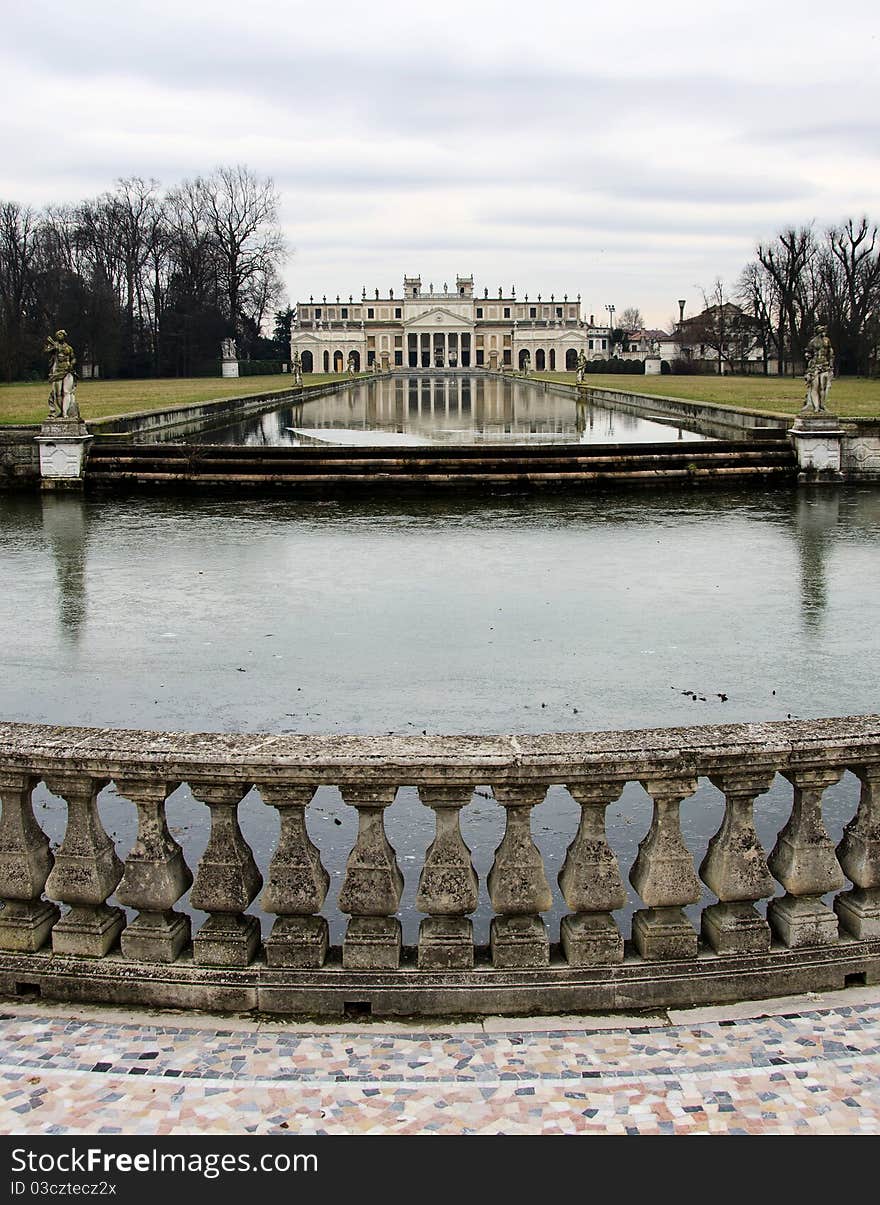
(610,309)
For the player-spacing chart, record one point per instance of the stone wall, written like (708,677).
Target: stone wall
(19,458)
(860,452)
(721,422)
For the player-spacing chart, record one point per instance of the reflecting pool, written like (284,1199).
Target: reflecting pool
(446,409)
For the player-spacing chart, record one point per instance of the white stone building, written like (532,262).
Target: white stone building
(445,328)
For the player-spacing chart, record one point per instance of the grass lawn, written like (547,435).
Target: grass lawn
(850,397)
(100,399)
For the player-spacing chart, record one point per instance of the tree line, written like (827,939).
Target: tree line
(145,282)
(797,281)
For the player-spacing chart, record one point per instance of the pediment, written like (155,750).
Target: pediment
(438,315)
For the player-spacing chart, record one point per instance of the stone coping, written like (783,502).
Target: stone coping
(475,759)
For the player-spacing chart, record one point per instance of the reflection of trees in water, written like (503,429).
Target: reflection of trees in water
(65,528)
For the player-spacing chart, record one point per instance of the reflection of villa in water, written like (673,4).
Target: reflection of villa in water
(445,328)
(455,408)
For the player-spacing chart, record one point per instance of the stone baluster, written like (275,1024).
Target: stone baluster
(297,884)
(591,883)
(859,854)
(518,886)
(25,861)
(448,887)
(663,874)
(804,862)
(226,881)
(85,873)
(156,876)
(735,868)
(372,886)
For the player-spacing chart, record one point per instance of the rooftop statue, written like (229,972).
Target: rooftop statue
(820,370)
(62,377)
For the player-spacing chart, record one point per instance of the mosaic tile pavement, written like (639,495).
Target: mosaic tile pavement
(814,1069)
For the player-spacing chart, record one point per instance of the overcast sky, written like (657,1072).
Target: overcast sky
(630,152)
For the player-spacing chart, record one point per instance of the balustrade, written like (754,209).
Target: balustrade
(797,880)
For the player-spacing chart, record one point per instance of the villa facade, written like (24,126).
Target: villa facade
(446,328)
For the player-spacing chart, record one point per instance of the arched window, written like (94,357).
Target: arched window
(326,361)
(571,360)
(540,360)
(523,359)
(338,361)
(307,362)
(356,356)
(552,359)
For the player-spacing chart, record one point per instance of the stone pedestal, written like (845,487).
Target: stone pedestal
(298,941)
(800,921)
(372,943)
(653,366)
(155,937)
(591,939)
(817,440)
(661,933)
(25,925)
(229,368)
(735,928)
(859,912)
(64,444)
(519,941)
(226,940)
(446,943)
(87,932)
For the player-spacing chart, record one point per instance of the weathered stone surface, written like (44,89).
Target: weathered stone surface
(517,882)
(448,883)
(155,877)
(226,881)
(663,933)
(85,873)
(298,941)
(446,943)
(591,939)
(519,941)
(25,861)
(373,881)
(735,868)
(372,943)
(804,862)
(663,874)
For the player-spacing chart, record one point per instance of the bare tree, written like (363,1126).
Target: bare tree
(631,319)
(850,275)
(242,212)
(18,270)
(789,261)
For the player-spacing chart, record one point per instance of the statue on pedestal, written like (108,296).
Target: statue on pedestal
(62,377)
(820,370)
(296,368)
(351,364)
(227,349)
(581,367)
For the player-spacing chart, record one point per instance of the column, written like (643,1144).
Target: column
(859,854)
(448,887)
(156,876)
(25,861)
(663,874)
(297,884)
(591,883)
(804,862)
(735,868)
(518,886)
(85,873)
(372,886)
(227,881)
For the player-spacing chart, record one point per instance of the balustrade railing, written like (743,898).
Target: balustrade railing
(807,914)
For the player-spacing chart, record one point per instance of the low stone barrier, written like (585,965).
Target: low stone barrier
(19,457)
(709,418)
(75,942)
